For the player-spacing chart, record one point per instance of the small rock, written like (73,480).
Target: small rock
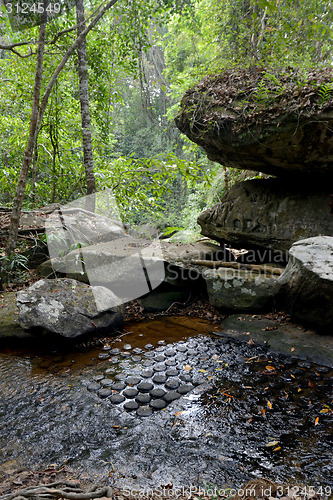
(107,382)
(131,405)
(127,347)
(145,386)
(104,393)
(94,387)
(149,346)
(98,377)
(160,367)
(172,383)
(118,386)
(147,373)
(184,389)
(120,376)
(144,411)
(172,372)
(103,355)
(117,399)
(171,396)
(133,380)
(143,399)
(157,393)
(130,393)
(159,379)
(157,404)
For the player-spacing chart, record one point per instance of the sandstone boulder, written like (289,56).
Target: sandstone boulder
(307,283)
(244,120)
(268,214)
(240,290)
(68,308)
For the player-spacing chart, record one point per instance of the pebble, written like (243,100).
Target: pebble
(157,393)
(137,350)
(133,380)
(185,378)
(130,393)
(118,386)
(114,359)
(144,411)
(149,346)
(149,354)
(171,362)
(110,370)
(159,358)
(170,352)
(120,376)
(171,396)
(181,348)
(103,355)
(181,357)
(159,367)
(106,347)
(184,389)
(106,382)
(127,347)
(161,342)
(198,380)
(172,372)
(192,352)
(172,383)
(94,387)
(158,404)
(117,398)
(131,405)
(104,393)
(115,351)
(160,378)
(143,399)
(145,386)
(125,354)
(147,373)
(136,359)
(98,377)
(148,363)
(160,349)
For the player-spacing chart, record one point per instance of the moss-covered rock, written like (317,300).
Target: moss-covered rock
(278,124)
(9,318)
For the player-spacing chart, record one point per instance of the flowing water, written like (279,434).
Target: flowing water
(238,413)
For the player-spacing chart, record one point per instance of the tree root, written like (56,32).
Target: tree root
(51,491)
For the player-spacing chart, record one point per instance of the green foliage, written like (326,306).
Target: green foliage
(13,268)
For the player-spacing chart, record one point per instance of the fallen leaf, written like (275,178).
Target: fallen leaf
(317,421)
(201,370)
(251,341)
(269,404)
(299,390)
(277,448)
(292,349)
(271,443)
(311,384)
(178,413)
(116,426)
(188,368)
(270,368)
(226,394)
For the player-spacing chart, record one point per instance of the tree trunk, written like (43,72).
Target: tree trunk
(85,113)
(28,153)
(36,120)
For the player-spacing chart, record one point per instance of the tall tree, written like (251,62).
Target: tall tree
(38,111)
(85,112)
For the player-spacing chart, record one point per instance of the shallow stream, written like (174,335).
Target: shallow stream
(168,403)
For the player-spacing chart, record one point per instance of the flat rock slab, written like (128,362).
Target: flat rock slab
(280,337)
(268,214)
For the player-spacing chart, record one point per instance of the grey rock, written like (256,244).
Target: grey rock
(171,396)
(172,383)
(130,393)
(143,399)
(172,372)
(68,308)
(145,386)
(118,386)
(298,144)
(268,214)
(159,378)
(184,389)
(308,283)
(157,404)
(147,373)
(144,411)
(107,382)
(103,355)
(131,406)
(104,393)
(94,387)
(240,290)
(117,399)
(133,380)
(157,393)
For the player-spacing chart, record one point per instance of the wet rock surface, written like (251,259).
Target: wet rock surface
(238,412)
(269,214)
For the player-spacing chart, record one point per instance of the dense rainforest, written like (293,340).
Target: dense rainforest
(89,96)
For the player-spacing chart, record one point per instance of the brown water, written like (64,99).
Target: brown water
(221,431)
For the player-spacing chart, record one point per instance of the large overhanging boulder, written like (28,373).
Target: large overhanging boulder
(307,283)
(249,120)
(269,214)
(68,308)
